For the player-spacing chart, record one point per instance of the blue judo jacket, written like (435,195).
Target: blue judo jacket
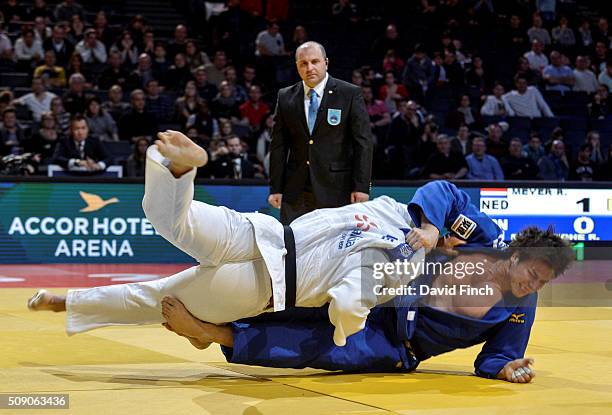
(302,338)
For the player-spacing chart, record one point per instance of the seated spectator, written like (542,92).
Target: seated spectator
(464,114)
(160,64)
(393,63)
(583,168)
(254,109)
(558,77)
(137,122)
(105,34)
(28,50)
(475,77)
(454,71)
(562,35)
(68,8)
(264,138)
(604,172)
(300,36)
(135,165)
(37,101)
(127,49)
(534,149)
(494,104)
(532,76)
(187,104)
(418,73)
(593,139)
(178,74)
(76,66)
(101,124)
(270,42)
(554,166)
(206,90)
(537,32)
(224,105)
(204,123)
(115,105)
(585,36)
(232,164)
(62,117)
(216,68)
(143,73)
(6,46)
(602,33)
(380,118)
(59,45)
(494,142)
(391,93)
(12,136)
(599,107)
(52,76)
(599,59)
(80,152)
(91,49)
(6,100)
(231,77)
(156,103)
(74,98)
(114,73)
(194,56)
(516,165)
(526,101)
(76,32)
(482,166)
(445,164)
(605,77)
(13,12)
(585,78)
(179,43)
(462,143)
(47,135)
(536,57)
(249,77)
(41,31)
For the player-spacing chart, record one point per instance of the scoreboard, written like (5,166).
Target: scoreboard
(575,214)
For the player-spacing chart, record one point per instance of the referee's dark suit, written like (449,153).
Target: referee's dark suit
(322,169)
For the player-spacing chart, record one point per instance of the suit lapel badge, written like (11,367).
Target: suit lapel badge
(333,116)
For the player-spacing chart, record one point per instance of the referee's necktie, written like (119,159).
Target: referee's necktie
(313,107)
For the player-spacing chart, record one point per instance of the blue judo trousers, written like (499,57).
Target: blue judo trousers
(299,338)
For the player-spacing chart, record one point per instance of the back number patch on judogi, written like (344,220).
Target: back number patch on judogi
(463,226)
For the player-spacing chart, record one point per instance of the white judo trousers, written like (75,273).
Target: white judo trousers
(241,257)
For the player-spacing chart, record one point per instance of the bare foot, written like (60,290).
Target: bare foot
(45,301)
(181,150)
(182,322)
(194,342)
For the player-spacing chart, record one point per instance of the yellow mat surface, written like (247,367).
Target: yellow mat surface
(148,370)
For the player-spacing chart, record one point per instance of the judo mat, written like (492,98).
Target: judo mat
(130,370)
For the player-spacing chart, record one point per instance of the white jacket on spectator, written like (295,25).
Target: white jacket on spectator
(23,52)
(530,104)
(92,55)
(493,106)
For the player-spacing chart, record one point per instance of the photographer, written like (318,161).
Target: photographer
(231,163)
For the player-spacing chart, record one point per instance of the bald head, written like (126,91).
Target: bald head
(310,45)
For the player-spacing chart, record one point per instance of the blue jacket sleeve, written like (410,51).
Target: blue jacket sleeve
(309,344)
(446,206)
(507,341)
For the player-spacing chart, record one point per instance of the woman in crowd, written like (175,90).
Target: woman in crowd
(100,122)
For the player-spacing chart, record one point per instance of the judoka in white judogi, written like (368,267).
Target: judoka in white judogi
(241,257)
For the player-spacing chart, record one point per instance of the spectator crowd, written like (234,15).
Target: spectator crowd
(477,90)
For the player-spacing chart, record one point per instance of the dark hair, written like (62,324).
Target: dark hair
(585,146)
(77,118)
(550,248)
(8,110)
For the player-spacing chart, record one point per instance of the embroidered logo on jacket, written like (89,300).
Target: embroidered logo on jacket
(517,318)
